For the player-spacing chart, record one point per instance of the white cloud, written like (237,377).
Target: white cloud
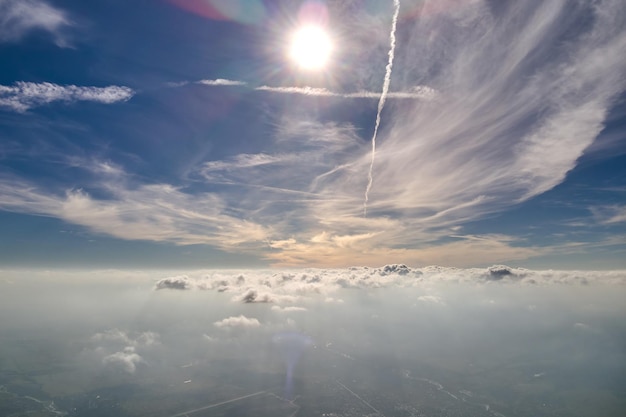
(119,349)
(126,359)
(298,286)
(221,82)
(157,212)
(20,17)
(237,321)
(26,95)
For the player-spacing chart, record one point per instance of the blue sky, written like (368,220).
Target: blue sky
(180,134)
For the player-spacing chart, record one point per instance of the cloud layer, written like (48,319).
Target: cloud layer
(292,286)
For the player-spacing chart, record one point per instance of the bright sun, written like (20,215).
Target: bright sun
(310,47)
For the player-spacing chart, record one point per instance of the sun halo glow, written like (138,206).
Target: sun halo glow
(310,47)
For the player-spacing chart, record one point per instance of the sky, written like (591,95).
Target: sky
(182,133)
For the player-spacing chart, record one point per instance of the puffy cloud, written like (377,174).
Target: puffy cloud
(174,283)
(26,95)
(240,321)
(122,350)
(126,359)
(20,17)
(498,272)
(298,286)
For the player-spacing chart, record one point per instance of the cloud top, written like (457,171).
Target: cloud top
(289,287)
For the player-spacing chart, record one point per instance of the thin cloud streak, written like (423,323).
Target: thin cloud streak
(613,214)
(156,212)
(222,82)
(26,95)
(416,92)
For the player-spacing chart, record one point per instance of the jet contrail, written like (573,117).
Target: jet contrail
(383,97)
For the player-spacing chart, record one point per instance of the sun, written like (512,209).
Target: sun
(310,47)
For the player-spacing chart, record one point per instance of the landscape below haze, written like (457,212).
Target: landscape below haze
(390,341)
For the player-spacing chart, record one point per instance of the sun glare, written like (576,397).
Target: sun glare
(310,48)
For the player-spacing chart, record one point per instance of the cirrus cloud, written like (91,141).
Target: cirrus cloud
(23,96)
(20,17)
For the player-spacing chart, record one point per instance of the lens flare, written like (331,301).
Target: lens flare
(292,345)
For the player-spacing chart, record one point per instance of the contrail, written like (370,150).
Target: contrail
(383,97)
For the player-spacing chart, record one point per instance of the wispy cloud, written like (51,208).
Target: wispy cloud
(20,17)
(416,92)
(156,212)
(369,249)
(518,100)
(613,214)
(222,82)
(26,95)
